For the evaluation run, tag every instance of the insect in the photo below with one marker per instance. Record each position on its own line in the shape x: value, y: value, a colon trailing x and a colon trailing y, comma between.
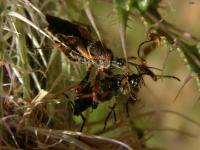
x: 75, y: 41
x: 104, y: 89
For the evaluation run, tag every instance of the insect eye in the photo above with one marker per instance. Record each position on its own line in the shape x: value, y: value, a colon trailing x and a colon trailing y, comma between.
x: 118, y: 83
x: 134, y: 81
x: 120, y: 62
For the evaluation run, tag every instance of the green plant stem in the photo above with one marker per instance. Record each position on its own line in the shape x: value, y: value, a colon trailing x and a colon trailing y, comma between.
x: 163, y: 28
x: 186, y: 46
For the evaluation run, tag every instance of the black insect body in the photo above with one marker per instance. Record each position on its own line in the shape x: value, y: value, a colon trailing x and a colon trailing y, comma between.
x: 112, y: 86
x: 90, y: 95
x: 84, y: 100
x: 81, y: 105
x: 103, y: 90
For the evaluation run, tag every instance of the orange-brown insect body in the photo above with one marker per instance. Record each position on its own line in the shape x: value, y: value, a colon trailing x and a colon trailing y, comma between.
x: 78, y: 41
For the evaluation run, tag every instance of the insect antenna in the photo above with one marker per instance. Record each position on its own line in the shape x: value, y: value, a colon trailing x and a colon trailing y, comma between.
x: 153, y: 38
x: 167, y: 76
x: 138, y: 66
x: 140, y: 47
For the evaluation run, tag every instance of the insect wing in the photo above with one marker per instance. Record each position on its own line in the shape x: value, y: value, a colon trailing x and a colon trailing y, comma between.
x: 61, y: 26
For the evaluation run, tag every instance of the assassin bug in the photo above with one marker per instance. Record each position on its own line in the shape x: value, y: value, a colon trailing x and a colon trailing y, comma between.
x: 76, y: 43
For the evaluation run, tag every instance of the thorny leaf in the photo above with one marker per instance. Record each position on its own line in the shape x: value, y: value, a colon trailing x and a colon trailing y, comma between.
x: 123, y: 9
x: 189, y: 52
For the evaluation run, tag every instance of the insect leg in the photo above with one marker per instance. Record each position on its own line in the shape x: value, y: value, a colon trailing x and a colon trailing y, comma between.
x: 127, y: 109
x: 82, y: 116
x: 86, y: 78
x: 85, y: 81
x: 84, y: 120
x: 108, y: 116
x: 132, y: 99
x: 114, y: 114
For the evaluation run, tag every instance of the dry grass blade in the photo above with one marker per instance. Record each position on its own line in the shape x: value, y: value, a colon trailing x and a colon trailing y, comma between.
x: 59, y: 134
x: 7, y: 29
x: 168, y: 111
x: 123, y: 40
x: 36, y: 81
x: 91, y: 18
x: 35, y: 42
x: 24, y: 19
x: 16, y: 72
x: 36, y: 101
x: 26, y: 2
x: 188, y: 78
x: 85, y: 142
x: 169, y: 129
x: 3, y: 120
x: 105, y: 143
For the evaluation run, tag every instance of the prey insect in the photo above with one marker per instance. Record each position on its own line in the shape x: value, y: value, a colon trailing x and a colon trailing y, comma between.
x: 104, y: 89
